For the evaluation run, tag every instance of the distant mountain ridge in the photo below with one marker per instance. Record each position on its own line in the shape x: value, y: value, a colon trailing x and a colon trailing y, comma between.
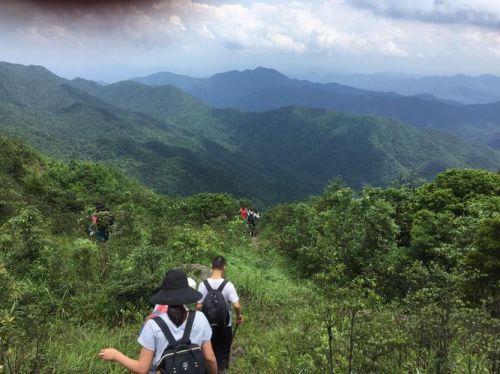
x: 180, y: 146
x: 265, y: 89
x: 483, y: 89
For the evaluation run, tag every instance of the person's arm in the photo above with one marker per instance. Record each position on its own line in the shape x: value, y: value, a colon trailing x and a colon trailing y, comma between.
x: 209, y: 356
x: 237, y: 309
x: 140, y: 366
x: 234, y: 299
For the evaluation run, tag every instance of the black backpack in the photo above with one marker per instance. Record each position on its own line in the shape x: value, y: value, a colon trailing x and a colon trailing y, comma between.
x: 180, y: 356
x: 215, y: 305
x: 251, y: 218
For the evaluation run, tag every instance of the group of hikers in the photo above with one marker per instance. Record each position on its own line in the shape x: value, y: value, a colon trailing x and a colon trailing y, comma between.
x: 101, y: 221
x: 175, y: 339
x: 250, y: 217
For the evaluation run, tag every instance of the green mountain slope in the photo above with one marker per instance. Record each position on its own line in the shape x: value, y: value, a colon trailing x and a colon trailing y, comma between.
x: 170, y: 157
x: 317, y: 145
x: 179, y: 146
x: 266, y: 89
x: 384, y: 281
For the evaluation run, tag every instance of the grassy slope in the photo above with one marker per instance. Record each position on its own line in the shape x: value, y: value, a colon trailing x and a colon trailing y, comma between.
x: 76, y: 328
x: 273, y: 302
x: 85, y: 310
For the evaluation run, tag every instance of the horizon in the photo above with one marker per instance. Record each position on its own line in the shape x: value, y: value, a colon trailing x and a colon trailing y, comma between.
x: 147, y: 71
x: 111, y: 40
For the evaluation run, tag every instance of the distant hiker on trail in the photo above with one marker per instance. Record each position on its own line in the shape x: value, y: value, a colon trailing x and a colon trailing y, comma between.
x: 100, y: 222
x: 175, y: 341
x: 218, y: 295
x: 251, y: 221
x: 244, y: 213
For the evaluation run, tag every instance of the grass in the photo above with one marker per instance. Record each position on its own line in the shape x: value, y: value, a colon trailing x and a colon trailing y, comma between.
x: 273, y: 302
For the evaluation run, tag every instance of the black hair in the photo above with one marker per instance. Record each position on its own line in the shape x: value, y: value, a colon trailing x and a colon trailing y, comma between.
x: 218, y: 262
x: 177, y: 314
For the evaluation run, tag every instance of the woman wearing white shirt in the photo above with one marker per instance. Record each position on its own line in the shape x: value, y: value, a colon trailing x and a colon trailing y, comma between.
x: 174, y: 292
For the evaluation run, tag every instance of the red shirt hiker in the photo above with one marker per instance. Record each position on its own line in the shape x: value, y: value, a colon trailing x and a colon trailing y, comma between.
x: 244, y: 213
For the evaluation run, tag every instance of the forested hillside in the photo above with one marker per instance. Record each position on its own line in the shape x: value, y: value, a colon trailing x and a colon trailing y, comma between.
x: 165, y: 154
x: 177, y: 145
x: 387, y: 280
x: 266, y: 89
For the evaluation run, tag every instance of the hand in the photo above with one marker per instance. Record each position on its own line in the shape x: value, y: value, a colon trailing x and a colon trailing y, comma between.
x: 239, y: 319
x: 108, y: 354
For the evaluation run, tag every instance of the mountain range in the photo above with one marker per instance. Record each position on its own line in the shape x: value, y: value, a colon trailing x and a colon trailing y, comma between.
x: 178, y: 145
x: 264, y: 89
x: 466, y: 89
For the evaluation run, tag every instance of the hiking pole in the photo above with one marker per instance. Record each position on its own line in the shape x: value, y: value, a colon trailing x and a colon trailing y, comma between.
x: 234, y: 331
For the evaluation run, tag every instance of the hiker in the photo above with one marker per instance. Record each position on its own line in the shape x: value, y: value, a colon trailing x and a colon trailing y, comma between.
x: 177, y: 330
x: 218, y: 295
x: 101, y: 222
x: 163, y: 308
x: 251, y: 221
x: 244, y: 213
x: 92, y: 224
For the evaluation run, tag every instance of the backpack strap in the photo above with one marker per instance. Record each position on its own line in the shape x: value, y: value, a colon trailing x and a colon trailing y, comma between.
x: 189, y: 326
x: 168, y: 334
x: 221, y: 287
x: 207, y: 285
x: 166, y: 331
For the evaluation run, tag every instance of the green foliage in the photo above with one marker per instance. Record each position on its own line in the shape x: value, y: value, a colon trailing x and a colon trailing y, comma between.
x: 387, y: 280
x: 401, y: 269
x: 206, y: 207
x: 178, y: 146
x: 23, y: 241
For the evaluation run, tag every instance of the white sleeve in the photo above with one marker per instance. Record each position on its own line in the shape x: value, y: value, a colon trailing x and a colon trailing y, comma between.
x: 147, y: 338
x: 203, y: 290
x: 206, y: 333
x: 231, y: 294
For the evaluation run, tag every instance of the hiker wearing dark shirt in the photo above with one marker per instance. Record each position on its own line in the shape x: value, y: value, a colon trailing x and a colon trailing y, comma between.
x: 251, y: 221
x: 101, y: 222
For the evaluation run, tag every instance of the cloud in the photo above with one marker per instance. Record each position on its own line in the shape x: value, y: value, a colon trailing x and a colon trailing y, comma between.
x: 78, y: 5
x: 94, y: 23
x: 292, y: 27
x: 357, y: 32
x: 481, y: 13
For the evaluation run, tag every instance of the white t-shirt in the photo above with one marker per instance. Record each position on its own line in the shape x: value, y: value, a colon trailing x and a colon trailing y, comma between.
x: 229, y: 292
x: 152, y: 337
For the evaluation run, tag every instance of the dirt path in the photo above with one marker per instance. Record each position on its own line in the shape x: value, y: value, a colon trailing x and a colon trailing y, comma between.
x: 255, y: 242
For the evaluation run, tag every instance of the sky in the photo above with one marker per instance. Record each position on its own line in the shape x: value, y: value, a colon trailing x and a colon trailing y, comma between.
x: 119, y: 39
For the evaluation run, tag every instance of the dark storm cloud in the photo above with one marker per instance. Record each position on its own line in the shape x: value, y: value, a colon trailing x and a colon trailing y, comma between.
x: 92, y: 24
x: 81, y: 5
x: 474, y: 13
x: 75, y: 9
